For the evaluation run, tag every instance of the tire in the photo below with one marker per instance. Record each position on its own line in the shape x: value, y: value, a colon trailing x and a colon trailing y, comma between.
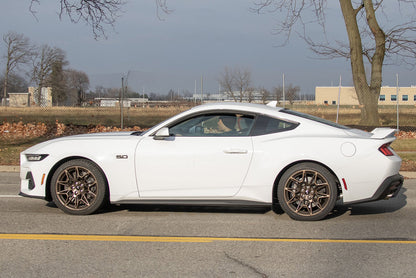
x: 79, y: 187
x: 307, y: 191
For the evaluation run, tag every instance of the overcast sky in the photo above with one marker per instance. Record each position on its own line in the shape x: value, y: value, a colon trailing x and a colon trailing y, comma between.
x: 198, y: 38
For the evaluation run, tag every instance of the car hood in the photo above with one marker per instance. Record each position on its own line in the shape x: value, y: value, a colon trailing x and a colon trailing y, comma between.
x: 88, y: 137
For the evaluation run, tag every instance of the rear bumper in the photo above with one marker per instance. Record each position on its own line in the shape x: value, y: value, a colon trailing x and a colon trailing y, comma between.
x: 388, y: 189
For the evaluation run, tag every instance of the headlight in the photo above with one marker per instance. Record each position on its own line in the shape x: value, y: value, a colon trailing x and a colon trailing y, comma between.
x: 35, y: 157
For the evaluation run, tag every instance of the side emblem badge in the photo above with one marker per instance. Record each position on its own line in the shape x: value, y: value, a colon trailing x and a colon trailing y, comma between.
x: 122, y: 156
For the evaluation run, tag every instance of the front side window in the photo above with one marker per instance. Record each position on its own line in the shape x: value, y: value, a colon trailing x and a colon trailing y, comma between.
x: 393, y: 98
x: 218, y: 124
x: 382, y: 97
x: 405, y: 97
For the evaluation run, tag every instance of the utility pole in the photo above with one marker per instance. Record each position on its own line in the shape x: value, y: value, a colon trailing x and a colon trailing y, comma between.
x: 121, y: 103
x: 284, y: 97
x: 397, y: 99
x: 202, y: 90
x: 195, y: 93
x: 339, y: 97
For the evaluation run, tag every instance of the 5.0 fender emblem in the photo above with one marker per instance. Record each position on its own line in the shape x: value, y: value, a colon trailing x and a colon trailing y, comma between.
x: 122, y: 156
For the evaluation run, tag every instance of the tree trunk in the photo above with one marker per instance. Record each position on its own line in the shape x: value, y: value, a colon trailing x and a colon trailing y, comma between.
x: 5, y: 84
x: 368, y: 95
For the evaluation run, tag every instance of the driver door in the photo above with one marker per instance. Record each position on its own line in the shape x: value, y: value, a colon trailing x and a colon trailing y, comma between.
x: 195, y: 160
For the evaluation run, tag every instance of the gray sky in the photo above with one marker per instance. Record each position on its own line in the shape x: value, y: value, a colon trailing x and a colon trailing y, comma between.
x: 198, y: 38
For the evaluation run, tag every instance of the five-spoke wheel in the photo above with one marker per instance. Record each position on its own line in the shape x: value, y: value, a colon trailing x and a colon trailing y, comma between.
x: 78, y: 187
x: 307, y: 191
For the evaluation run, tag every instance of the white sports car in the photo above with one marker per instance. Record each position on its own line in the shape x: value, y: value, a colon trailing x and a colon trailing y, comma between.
x: 218, y: 154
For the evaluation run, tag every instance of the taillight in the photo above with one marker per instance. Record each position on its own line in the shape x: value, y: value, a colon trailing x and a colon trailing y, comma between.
x: 385, y: 149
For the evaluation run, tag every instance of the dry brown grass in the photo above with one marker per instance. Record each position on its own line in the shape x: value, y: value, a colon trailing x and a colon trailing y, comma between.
x: 144, y: 117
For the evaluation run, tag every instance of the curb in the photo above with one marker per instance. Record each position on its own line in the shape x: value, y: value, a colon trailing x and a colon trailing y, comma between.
x: 408, y: 175
x: 7, y: 168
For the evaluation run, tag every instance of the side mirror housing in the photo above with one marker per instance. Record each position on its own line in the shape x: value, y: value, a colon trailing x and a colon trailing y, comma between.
x: 162, y: 134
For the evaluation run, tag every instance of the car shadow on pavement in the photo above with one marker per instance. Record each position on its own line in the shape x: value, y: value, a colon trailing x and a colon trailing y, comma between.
x: 185, y: 208
x: 376, y: 207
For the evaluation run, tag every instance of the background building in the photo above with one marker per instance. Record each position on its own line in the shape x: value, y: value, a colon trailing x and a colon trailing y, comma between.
x: 45, y: 97
x: 19, y: 100
x: 388, y: 96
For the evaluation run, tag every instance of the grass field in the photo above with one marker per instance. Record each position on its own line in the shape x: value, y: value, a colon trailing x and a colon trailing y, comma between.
x: 145, y: 117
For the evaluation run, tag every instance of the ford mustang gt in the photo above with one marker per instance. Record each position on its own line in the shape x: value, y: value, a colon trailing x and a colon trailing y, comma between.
x: 218, y: 154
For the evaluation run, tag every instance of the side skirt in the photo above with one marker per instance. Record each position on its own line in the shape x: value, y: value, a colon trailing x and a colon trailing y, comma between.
x: 237, y: 203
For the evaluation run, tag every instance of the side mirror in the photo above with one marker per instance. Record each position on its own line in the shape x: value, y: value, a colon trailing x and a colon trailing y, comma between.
x: 162, y: 134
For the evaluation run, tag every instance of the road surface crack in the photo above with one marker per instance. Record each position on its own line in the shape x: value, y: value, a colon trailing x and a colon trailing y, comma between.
x: 246, y: 265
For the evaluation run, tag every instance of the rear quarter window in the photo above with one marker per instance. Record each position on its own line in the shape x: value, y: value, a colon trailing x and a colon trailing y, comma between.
x: 268, y: 125
x: 313, y: 118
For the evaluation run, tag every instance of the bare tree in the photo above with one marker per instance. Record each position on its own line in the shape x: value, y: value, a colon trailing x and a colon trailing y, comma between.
x: 265, y: 95
x: 368, y: 40
x: 19, y: 52
x: 58, y: 82
x: 250, y: 94
x: 43, y: 63
x: 15, y: 83
x: 77, y: 83
x: 291, y: 93
x: 227, y: 83
x: 242, y: 79
x: 96, y: 13
x: 236, y: 81
x: 278, y: 93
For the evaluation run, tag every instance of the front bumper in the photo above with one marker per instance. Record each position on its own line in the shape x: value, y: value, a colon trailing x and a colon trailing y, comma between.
x: 389, y: 188
x: 32, y: 182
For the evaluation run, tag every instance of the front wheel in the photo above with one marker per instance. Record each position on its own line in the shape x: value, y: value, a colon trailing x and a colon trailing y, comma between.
x: 307, y: 191
x: 78, y: 187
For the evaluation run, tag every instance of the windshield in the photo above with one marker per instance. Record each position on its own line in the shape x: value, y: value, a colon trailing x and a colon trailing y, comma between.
x: 313, y: 118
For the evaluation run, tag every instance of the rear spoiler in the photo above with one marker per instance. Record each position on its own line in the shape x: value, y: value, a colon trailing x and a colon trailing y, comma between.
x: 383, y: 132
x: 272, y: 103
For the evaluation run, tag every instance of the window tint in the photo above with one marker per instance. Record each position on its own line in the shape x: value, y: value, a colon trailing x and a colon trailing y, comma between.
x: 267, y: 125
x: 313, y: 118
x: 220, y: 124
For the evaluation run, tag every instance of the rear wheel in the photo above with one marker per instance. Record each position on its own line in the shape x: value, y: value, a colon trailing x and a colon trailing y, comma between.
x: 78, y: 187
x: 307, y: 191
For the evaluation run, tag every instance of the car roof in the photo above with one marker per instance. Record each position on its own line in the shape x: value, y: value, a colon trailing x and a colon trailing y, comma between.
x: 253, y: 107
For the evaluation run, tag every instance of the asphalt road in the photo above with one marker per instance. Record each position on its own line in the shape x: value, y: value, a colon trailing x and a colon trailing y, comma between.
x: 367, y: 240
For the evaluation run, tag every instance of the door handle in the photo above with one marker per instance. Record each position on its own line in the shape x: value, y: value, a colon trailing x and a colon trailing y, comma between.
x: 235, y: 151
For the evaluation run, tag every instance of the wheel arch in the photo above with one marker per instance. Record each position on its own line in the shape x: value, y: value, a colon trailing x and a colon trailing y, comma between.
x: 48, y: 195
x: 279, y: 176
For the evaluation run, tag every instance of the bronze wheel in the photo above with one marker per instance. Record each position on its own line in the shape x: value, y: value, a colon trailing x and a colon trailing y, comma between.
x: 307, y: 191
x: 78, y: 187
